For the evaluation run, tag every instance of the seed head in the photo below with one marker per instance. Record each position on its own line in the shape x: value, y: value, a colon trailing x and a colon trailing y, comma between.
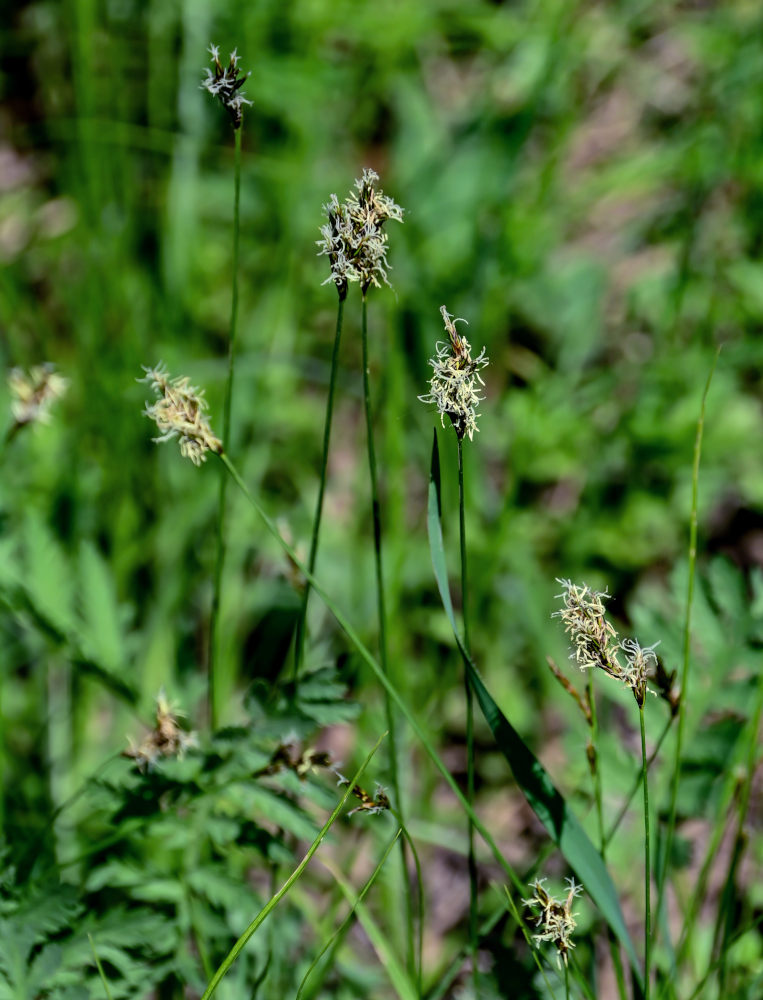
x: 179, y: 413
x: 353, y: 239
x: 554, y: 920
x: 456, y: 375
x: 595, y: 642
x: 34, y: 393
x: 225, y: 84
x: 638, y: 663
x: 166, y: 739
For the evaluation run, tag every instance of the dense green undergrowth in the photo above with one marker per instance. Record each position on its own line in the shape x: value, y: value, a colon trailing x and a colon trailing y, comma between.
x: 582, y: 183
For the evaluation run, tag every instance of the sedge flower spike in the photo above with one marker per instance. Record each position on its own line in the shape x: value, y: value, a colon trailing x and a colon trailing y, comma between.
x: 225, y: 84
x: 453, y: 387
x: 34, y: 393
x: 179, y: 412
x: 166, y: 739
x: 595, y: 642
x: 353, y: 238
x: 555, y: 920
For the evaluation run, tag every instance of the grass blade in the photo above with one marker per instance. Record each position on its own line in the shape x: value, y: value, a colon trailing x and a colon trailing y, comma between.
x: 398, y: 977
x: 271, y: 904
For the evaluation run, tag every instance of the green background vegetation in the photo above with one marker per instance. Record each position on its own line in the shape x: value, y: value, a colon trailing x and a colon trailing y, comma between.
x: 582, y: 182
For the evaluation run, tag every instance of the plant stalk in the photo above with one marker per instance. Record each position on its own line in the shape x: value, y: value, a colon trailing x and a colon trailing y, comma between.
x: 647, y: 860
x: 299, y: 638
x: 663, y: 868
x: 382, y: 615
x: 213, y: 679
x: 472, y: 859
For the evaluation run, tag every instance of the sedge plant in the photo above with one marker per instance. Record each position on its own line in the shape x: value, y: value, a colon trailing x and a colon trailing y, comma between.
x: 595, y: 646
x: 355, y: 241
x: 225, y: 83
x: 454, y: 390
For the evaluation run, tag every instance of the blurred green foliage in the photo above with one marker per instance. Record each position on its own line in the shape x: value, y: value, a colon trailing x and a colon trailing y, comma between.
x: 582, y: 182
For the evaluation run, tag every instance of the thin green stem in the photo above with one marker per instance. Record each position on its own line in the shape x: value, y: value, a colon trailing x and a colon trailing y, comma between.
x: 213, y: 679
x: 365, y: 654
x: 98, y: 966
x: 594, y: 761
x: 472, y: 859
x: 647, y: 861
x: 299, y: 638
x: 728, y: 896
x: 336, y: 938
x: 271, y: 904
x: 382, y: 615
x: 566, y: 982
x: 637, y: 783
x: 663, y: 868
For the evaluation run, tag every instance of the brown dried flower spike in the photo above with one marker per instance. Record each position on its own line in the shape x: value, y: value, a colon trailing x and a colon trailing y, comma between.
x: 166, y: 739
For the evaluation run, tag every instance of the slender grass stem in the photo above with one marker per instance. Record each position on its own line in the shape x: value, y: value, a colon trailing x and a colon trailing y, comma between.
x: 665, y: 864
x: 472, y: 860
x: 271, y: 904
x: 647, y: 861
x: 637, y: 783
x: 336, y: 938
x: 385, y: 682
x: 382, y: 615
x: 213, y: 679
x: 98, y: 966
x: 594, y: 762
x: 728, y: 897
x: 299, y: 638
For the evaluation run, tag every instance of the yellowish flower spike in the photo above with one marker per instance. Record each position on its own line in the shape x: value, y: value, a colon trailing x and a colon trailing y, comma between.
x: 34, y: 393
x: 554, y: 919
x: 453, y: 387
x: 179, y: 412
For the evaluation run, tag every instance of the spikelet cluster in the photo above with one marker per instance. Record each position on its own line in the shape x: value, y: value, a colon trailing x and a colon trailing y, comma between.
x: 353, y: 238
x: 225, y: 84
x: 179, y: 412
x: 554, y: 919
x: 456, y: 377
x: 595, y: 642
x: 166, y: 739
x: 370, y: 804
x: 34, y: 393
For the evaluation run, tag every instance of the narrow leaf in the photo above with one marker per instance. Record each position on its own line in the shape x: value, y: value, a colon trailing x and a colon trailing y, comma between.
x: 401, y: 984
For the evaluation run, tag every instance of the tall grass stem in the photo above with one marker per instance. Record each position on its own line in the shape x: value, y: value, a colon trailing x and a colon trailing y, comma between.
x: 213, y: 679
x: 299, y: 638
x: 647, y: 860
x: 382, y: 615
x: 472, y: 860
x: 595, y: 769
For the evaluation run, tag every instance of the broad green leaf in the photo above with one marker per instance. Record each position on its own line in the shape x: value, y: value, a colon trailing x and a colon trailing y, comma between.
x: 546, y: 801
x: 48, y: 576
x: 102, y: 636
